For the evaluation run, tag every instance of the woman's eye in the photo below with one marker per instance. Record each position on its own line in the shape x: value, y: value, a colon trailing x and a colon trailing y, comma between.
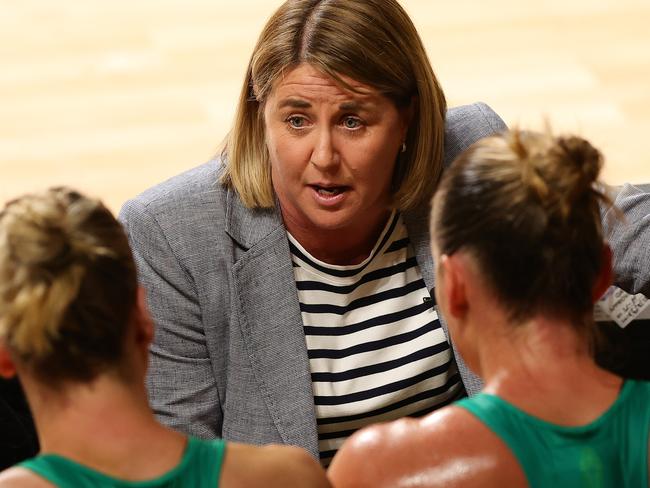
x: 351, y: 123
x: 296, y: 122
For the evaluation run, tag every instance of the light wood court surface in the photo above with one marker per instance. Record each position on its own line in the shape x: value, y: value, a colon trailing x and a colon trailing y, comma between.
x: 112, y: 97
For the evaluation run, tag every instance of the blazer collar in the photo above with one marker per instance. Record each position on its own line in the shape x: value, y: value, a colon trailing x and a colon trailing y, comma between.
x: 248, y: 226
x: 417, y: 226
x: 270, y: 320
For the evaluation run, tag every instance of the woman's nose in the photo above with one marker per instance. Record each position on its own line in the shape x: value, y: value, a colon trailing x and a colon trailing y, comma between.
x: 324, y: 156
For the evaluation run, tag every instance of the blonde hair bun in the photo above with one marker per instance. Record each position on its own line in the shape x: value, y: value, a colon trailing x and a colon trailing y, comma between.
x: 582, y: 161
x: 44, y: 251
x: 560, y: 171
x: 527, y: 205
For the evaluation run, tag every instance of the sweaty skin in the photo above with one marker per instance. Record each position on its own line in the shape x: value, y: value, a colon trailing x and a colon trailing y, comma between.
x: 449, y: 448
x: 541, y: 366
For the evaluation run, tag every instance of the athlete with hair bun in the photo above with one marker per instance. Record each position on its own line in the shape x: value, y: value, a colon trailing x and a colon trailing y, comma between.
x: 74, y: 326
x: 520, y: 260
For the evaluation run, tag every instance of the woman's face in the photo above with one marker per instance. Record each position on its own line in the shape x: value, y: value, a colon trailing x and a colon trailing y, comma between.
x: 332, y: 151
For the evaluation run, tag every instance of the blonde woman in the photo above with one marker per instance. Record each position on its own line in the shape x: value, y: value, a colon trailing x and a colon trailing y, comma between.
x: 290, y: 279
x: 74, y: 327
x: 521, y: 258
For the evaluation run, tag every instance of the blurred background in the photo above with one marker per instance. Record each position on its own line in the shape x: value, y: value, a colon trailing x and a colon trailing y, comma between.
x: 113, y: 97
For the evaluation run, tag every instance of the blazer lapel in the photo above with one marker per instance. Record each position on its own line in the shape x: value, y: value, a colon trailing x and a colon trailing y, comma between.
x: 417, y: 225
x: 271, y: 323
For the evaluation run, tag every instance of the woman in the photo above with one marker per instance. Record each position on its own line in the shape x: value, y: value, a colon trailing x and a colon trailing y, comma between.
x: 74, y: 327
x: 289, y: 279
x: 520, y: 261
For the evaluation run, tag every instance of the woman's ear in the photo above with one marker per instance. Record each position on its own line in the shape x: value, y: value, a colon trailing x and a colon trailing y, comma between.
x: 408, y: 114
x: 143, y: 322
x: 7, y: 366
x: 604, y: 279
x: 454, y: 289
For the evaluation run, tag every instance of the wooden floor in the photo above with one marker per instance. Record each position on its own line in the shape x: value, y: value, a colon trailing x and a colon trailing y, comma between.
x: 112, y: 97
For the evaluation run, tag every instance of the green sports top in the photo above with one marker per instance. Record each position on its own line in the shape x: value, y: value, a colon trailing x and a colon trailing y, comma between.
x: 611, y: 451
x: 200, y: 467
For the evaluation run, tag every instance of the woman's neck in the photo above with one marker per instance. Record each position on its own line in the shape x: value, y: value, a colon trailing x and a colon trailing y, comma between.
x: 341, y: 246
x: 546, y: 368
x: 106, y: 425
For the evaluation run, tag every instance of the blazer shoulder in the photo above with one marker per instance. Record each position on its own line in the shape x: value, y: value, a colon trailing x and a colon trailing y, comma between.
x: 188, y: 211
x: 467, y: 124
x: 181, y: 194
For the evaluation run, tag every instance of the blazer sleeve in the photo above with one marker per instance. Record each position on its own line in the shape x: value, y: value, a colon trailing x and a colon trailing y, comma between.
x: 467, y: 124
x: 182, y: 386
x: 629, y: 238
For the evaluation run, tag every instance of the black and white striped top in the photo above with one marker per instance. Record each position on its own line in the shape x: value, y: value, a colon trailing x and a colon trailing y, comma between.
x: 376, y: 348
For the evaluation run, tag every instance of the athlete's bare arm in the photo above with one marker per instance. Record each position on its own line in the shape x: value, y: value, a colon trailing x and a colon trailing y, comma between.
x: 449, y: 448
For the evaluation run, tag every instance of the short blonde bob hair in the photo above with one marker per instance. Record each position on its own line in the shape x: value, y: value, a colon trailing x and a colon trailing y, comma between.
x: 371, y: 41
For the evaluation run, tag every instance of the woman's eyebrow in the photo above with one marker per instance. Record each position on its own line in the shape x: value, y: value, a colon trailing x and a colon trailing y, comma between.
x: 358, y: 106
x: 294, y: 103
x: 353, y: 106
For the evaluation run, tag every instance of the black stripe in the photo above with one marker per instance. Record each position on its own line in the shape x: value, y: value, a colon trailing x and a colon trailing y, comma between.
x: 363, y: 301
x: 367, y: 324
x: 336, y: 435
x: 382, y: 390
x: 373, y: 345
x: 373, y: 275
x: 419, y: 413
x: 397, y: 245
x: 327, y: 455
x: 460, y: 394
x: 381, y: 367
x: 423, y: 395
x: 342, y: 273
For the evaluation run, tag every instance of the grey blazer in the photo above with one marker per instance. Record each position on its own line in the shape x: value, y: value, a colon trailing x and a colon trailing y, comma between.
x: 229, y: 356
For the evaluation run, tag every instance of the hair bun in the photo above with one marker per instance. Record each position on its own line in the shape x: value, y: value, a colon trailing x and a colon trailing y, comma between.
x: 47, y: 231
x: 45, y: 248
x: 36, y: 236
x: 573, y: 164
x: 585, y: 160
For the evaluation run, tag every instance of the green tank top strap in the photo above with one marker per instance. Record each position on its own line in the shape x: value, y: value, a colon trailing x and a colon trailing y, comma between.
x: 200, y: 467
x: 612, y: 451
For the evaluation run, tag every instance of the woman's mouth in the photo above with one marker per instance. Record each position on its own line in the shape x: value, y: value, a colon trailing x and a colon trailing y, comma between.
x: 329, y: 195
x: 329, y: 191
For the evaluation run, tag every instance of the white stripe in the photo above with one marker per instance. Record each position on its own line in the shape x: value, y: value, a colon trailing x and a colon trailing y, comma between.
x: 429, y: 338
x: 374, y: 287
x: 375, y: 333
x: 355, y: 408
x: 404, y: 411
x: 377, y: 380
x: 361, y: 314
x: 319, y: 365
x: 335, y: 443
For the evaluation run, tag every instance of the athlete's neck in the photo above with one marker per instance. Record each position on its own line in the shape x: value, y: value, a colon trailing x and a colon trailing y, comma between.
x: 545, y: 367
x: 106, y: 425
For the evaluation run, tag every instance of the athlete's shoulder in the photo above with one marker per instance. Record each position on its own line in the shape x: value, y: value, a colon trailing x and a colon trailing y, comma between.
x: 449, y: 447
x: 22, y: 477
